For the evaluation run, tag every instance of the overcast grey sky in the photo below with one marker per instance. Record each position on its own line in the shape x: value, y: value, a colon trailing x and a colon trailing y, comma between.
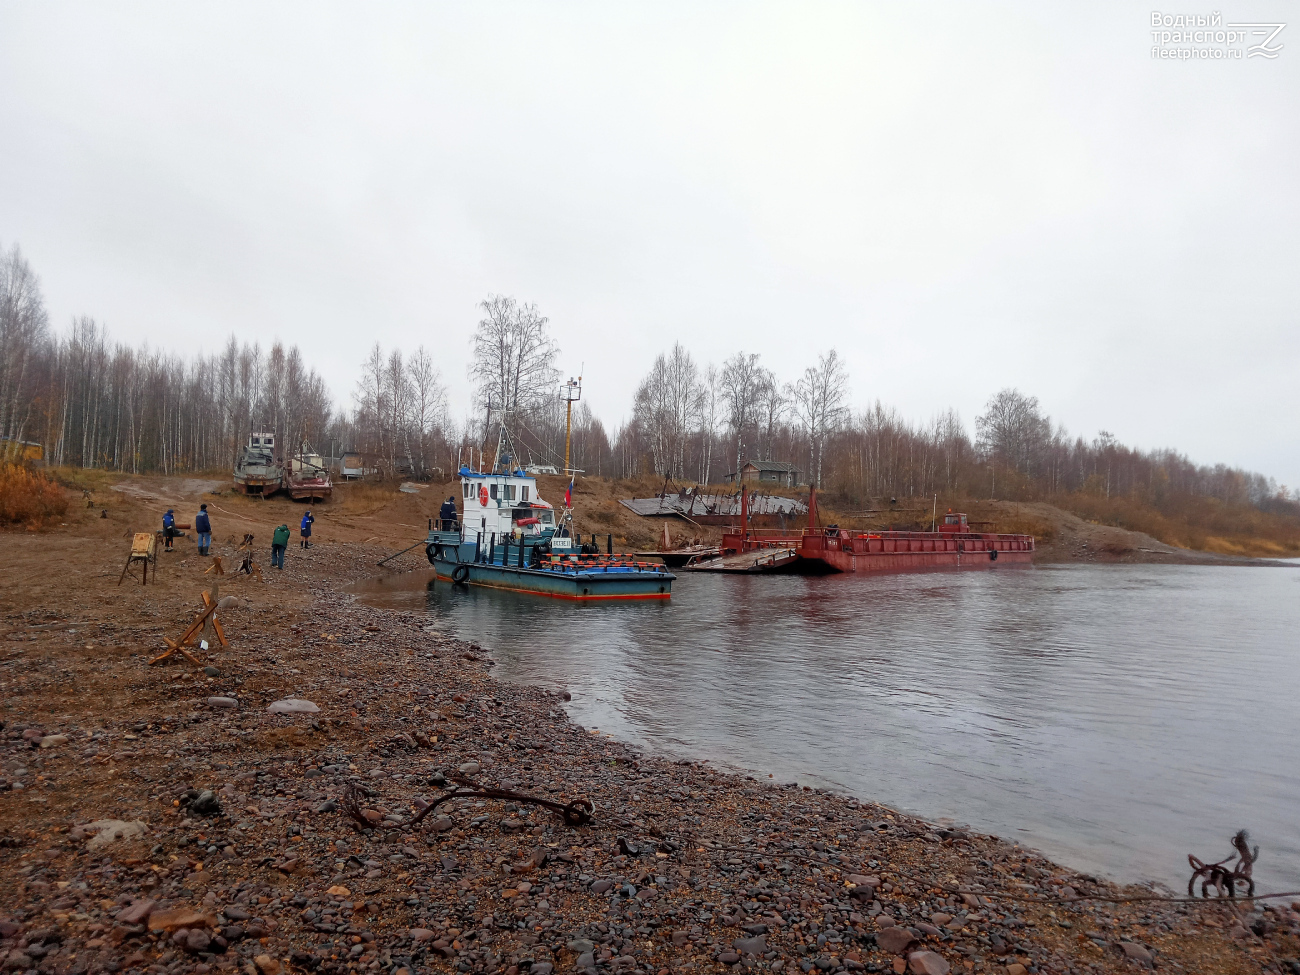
x: 958, y: 197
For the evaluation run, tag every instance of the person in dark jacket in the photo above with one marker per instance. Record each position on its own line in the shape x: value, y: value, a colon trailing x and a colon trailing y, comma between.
x: 447, y: 514
x: 203, y: 528
x: 279, y: 542
x: 169, y: 529
x: 304, y: 530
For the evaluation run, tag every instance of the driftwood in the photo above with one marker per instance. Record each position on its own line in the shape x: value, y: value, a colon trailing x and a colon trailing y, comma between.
x: 1225, y: 875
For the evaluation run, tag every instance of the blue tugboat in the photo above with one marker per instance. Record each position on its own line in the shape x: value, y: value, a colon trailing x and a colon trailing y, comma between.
x: 509, y: 538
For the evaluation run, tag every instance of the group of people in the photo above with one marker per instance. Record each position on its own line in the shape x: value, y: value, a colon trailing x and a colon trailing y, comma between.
x: 203, y: 533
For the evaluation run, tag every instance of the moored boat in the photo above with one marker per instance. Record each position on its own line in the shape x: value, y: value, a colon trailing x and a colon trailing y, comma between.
x: 953, y: 545
x: 257, y: 472
x: 508, y: 537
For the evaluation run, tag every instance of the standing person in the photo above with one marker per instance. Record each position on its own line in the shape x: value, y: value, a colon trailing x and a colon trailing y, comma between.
x: 304, y: 530
x: 203, y: 527
x: 279, y: 542
x: 169, y: 529
x: 447, y: 513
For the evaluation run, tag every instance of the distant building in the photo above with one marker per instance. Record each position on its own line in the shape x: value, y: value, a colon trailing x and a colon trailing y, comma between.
x: 20, y: 450
x: 769, y: 472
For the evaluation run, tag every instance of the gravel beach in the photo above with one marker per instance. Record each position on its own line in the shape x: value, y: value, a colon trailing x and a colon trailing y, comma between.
x: 166, y: 819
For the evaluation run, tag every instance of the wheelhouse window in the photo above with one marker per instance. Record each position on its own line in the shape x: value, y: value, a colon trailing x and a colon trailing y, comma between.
x: 523, y: 493
x: 492, y: 491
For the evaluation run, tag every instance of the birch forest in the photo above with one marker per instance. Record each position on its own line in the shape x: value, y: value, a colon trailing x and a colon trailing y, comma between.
x: 92, y: 402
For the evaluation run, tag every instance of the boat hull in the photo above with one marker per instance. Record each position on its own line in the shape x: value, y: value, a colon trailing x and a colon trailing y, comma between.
x: 581, y: 579
x: 584, y: 586
x: 263, y: 486
x: 890, y: 551
x: 916, y: 561
x: 310, y: 491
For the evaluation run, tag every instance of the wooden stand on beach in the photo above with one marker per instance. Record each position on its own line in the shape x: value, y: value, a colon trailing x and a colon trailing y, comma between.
x: 209, y: 615
x: 144, y: 550
x: 246, y: 563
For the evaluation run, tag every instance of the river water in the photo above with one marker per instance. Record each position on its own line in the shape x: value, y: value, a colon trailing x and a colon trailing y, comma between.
x: 1113, y: 717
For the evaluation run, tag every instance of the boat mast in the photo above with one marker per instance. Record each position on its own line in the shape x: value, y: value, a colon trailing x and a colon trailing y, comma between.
x: 570, y: 392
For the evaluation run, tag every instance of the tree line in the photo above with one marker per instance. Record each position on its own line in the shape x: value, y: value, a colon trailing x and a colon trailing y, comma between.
x: 92, y: 402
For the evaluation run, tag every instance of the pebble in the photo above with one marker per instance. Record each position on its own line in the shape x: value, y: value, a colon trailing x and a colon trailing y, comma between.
x: 222, y: 702
x: 292, y: 705
x: 105, y: 831
x: 53, y: 741
x: 927, y: 963
x: 894, y: 939
x: 1135, y: 951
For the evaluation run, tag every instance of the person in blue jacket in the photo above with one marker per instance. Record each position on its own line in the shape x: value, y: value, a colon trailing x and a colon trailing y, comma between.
x: 203, y: 528
x: 169, y: 529
x: 304, y: 530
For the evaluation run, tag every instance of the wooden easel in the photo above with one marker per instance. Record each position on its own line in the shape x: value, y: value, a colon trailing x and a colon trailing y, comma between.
x: 209, y: 615
x: 144, y: 549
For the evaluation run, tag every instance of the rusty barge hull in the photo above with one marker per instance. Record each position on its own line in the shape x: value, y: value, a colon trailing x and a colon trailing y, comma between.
x: 911, y: 551
x: 951, y: 546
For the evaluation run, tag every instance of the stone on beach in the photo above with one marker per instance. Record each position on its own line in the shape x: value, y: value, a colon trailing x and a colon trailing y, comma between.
x: 894, y: 939
x: 927, y: 963
x: 292, y: 705
x: 106, y: 831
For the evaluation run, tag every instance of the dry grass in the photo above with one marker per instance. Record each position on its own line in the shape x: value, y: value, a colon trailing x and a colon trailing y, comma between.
x: 363, y: 497
x: 1206, y: 524
x: 29, y: 497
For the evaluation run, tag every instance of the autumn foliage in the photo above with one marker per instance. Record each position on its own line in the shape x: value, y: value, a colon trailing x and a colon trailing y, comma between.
x: 29, y: 497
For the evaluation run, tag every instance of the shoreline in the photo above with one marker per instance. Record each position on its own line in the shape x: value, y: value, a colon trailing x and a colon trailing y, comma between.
x: 686, y: 867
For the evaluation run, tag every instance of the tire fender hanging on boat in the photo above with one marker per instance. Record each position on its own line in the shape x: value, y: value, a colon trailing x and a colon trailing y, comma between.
x: 460, y: 574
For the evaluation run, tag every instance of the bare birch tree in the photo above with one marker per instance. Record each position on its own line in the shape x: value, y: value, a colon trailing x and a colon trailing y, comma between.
x: 513, y: 360
x: 821, y: 402
x: 741, y: 386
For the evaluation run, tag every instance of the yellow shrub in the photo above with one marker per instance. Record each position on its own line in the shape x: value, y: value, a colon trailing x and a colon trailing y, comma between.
x: 29, y: 497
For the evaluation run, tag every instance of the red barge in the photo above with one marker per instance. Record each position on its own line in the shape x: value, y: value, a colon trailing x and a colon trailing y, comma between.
x: 953, y: 545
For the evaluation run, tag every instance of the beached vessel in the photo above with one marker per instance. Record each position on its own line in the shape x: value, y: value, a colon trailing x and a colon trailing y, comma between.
x: 257, y: 472
x: 309, y: 477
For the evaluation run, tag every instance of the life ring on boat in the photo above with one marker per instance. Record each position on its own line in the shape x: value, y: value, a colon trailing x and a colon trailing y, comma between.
x: 993, y: 555
x: 460, y: 574
x: 482, y: 495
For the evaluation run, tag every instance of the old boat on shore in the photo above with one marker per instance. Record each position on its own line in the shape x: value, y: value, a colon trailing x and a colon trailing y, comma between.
x: 309, y: 477
x: 509, y: 538
x: 257, y: 472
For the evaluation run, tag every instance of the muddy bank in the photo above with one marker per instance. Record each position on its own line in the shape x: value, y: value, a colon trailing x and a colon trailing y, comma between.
x: 236, y: 852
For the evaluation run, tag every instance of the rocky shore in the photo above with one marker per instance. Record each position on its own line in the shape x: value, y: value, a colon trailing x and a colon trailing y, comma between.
x: 166, y: 819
